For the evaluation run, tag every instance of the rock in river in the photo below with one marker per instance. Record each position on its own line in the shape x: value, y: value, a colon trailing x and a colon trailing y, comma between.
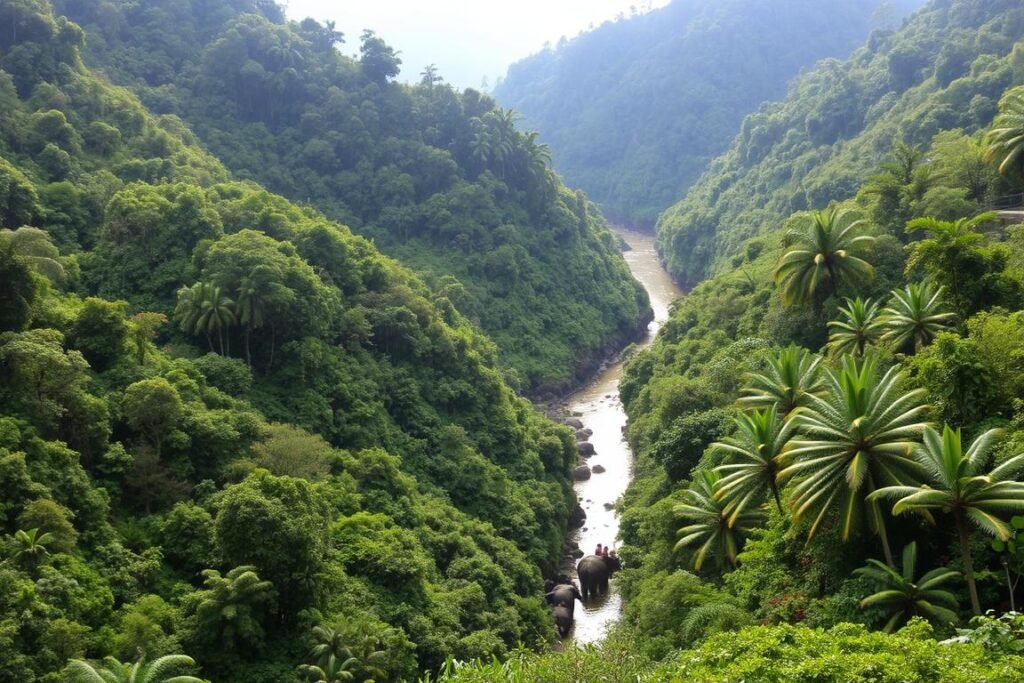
x: 581, y: 473
x: 586, y: 449
x: 573, y: 422
x: 598, y: 469
x: 577, y: 517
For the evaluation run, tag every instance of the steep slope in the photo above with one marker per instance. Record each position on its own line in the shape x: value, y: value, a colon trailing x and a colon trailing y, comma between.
x: 225, y: 419
x: 441, y: 180
x: 727, y: 336
x: 635, y: 109
x: 945, y: 68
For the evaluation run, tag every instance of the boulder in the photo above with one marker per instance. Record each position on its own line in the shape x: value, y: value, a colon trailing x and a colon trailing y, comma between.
x: 609, y: 506
x: 583, y: 434
x: 577, y: 517
x: 576, y: 553
x: 581, y: 473
x: 598, y: 469
x: 573, y: 422
x: 586, y: 449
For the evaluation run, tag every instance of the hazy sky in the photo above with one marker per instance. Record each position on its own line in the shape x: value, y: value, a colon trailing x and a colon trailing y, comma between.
x: 466, y: 39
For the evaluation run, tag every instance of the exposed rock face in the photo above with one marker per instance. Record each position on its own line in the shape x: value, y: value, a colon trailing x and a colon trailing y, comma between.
x: 586, y: 449
x: 581, y: 473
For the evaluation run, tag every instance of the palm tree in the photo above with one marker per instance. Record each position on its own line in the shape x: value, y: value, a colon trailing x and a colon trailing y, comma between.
x: 428, y: 77
x: 537, y: 157
x: 228, y: 610
x: 791, y: 378
x: 250, y: 303
x: 903, y: 597
x: 330, y: 641
x: 757, y: 455
x: 370, y: 660
x: 356, y: 647
x: 188, y: 308
x: 1005, y: 140
x: 33, y: 247
x: 916, y: 314
x: 205, y: 308
x: 334, y: 670
x: 161, y: 670
x: 712, y: 525
x: 853, y: 441
x: 956, y: 482
x: 30, y: 547
x: 217, y: 314
x: 950, y: 248
x: 824, y: 257
x: 859, y: 328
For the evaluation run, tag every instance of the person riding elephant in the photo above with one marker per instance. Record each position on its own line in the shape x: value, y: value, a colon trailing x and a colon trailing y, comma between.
x: 563, y: 619
x: 594, y: 572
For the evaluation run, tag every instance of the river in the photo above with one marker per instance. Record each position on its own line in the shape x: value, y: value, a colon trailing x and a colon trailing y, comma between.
x: 600, y: 409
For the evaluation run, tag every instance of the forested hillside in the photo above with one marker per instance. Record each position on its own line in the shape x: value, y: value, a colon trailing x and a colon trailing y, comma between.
x: 230, y: 428
x: 837, y: 412
x: 944, y: 69
x: 441, y: 180
x: 636, y: 108
x: 830, y: 429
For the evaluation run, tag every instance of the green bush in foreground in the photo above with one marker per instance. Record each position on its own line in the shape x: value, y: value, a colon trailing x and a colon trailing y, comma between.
x: 769, y: 653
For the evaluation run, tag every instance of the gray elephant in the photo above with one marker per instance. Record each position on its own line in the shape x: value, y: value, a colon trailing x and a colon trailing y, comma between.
x: 565, y: 594
x: 594, y: 572
x: 563, y: 619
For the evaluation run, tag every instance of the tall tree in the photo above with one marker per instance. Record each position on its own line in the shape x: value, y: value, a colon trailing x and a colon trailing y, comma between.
x: 853, y: 441
x: 824, y: 257
x: 957, y: 482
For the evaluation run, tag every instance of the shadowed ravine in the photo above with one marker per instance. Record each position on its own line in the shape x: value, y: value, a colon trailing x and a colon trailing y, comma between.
x: 599, y: 409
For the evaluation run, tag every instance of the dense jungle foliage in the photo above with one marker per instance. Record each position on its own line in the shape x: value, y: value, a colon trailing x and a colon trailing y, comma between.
x: 440, y: 179
x: 830, y: 430
x: 944, y: 69
x: 635, y: 109
x: 231, y: 428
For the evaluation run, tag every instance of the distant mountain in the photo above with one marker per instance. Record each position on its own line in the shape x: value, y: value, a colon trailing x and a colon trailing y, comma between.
x: 944, y: 69
x: 635, y: 109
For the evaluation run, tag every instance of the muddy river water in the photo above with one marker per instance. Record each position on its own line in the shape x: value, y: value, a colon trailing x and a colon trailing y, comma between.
x: 599, y: 409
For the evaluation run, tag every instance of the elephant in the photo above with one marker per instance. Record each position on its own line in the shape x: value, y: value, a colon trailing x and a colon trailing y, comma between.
x: 594, y: 572
x: 563, y: 619
x: 565, y: 594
